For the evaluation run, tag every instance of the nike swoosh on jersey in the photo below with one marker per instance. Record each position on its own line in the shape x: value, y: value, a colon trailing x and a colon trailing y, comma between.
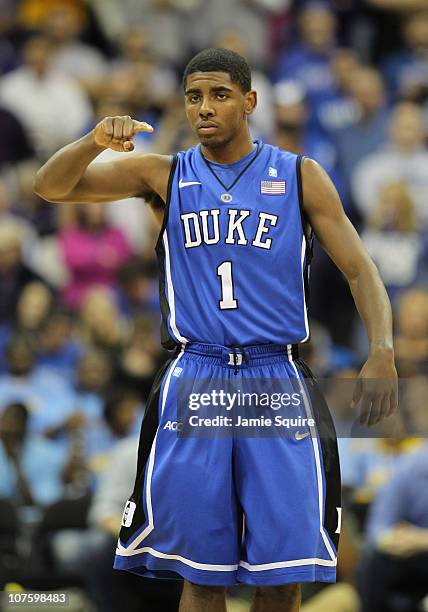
x: 300, y: 436
x: 187, y: 183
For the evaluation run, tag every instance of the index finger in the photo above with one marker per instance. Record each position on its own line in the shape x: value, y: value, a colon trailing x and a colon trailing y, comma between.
x: 141, y: 126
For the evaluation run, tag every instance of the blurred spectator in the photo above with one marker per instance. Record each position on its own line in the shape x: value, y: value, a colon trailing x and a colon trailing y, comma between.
x: 32, y: 309
x: 151, y: 82
x: 58, y: 347
x: 120, y: 420
x: 368, y: 463
x: 48, y: 397
x: 251, y: 21
x: 406, y: 70
x: 12, y: 215
x: 30, y: 466
x: 142, y: 355
x: 137, y: 291
x: 63, y: 26
x: 404, y: 157
x: 166, y: 20
x: 294, y: 132
x: 394, y: 572
x: 93, y: 251
x: 309, y: 61
x: 62, y: 107
x: 82, y: 432
x: 14, y: 273
x: 100, y: 322
x: 338, y: 109
x: 411, y: 336
x: 392, y: 239
x: 84, y: 422
x: 369, y: 131
x: 93, y: 374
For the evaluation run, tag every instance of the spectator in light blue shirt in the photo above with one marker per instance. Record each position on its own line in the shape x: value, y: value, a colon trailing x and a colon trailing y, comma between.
x: 395, y: 569
x: 49, y: 399
x: 30, y: 466
x: 309, y: 61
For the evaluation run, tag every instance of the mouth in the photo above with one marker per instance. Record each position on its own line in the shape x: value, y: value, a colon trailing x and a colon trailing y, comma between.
x: 207, y: 127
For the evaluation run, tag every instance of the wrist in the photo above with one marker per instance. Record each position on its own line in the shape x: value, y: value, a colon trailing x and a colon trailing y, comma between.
x: 383, y: 349
x: 90, y: 139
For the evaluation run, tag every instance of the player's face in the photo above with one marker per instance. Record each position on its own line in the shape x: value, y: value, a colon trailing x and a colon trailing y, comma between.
x: 216, y: 107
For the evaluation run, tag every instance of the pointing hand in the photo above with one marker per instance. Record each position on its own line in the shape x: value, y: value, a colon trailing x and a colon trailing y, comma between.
x: 117, y: 133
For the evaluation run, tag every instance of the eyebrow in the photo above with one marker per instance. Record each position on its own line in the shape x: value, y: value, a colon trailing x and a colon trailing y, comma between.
x: 215, y: 89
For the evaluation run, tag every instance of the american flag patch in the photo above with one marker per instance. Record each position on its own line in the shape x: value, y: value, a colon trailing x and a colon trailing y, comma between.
x: 272, y: 187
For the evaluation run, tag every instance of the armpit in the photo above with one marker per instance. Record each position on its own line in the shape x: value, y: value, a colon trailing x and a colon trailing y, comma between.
x: 153, y: 200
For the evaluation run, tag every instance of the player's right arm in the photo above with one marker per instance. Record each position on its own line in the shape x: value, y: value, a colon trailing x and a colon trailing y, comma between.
x: 71, y: 176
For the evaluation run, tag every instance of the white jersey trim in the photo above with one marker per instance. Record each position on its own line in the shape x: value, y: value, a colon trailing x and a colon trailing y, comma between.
x: 305, y: 309
x: 171, y: 297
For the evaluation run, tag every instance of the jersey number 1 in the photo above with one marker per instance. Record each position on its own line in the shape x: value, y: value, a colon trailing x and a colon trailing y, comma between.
x: 224, y: 271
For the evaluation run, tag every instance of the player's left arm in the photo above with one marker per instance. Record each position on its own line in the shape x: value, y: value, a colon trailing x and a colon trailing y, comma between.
x: 377, y: 381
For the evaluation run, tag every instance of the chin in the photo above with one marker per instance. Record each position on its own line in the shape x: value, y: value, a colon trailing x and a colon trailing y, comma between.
x: 214, y: 142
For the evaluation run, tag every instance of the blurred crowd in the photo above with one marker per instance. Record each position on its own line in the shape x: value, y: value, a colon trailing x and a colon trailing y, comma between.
x: 342, y: 81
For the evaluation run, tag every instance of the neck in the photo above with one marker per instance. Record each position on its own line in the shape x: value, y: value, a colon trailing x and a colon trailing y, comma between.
x: 230, y: 152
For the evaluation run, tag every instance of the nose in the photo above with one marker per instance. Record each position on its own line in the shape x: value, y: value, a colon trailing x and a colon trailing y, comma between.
x: 206, y: 109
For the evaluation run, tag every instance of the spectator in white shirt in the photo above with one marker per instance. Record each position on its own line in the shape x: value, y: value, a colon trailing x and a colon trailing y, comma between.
x: 51, y: 106
x: 404, y: 158
x: 63, y: 26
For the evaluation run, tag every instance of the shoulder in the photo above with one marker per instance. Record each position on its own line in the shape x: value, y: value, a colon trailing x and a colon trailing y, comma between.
x: 186, y: 154
x: 275, y: 154
x: 319, y: 192
x: 312, y: 171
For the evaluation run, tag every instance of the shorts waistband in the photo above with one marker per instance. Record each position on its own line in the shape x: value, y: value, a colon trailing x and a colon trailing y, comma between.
x: 241, y: 356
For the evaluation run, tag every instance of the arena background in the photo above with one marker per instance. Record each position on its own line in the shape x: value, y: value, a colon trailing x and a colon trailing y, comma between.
x: 344, y: 82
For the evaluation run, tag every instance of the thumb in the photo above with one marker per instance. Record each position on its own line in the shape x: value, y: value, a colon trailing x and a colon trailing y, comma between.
x: 357, y: 393
x: 141, y: 126
x: 128, y: 145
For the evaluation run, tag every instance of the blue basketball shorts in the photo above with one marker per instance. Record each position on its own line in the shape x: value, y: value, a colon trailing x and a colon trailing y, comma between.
x: 219, y: 502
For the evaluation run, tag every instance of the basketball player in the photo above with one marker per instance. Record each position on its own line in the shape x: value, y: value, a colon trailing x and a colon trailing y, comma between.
x: 234, y: 251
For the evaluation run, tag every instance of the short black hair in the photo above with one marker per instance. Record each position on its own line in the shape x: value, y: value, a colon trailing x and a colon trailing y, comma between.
x: 221, y: 60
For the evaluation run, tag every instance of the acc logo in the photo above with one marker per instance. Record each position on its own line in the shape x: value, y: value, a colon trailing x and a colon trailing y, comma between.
x: 173, y: 426
x: 177, y: 372
x: 128, y: 513
x: 273, y: 172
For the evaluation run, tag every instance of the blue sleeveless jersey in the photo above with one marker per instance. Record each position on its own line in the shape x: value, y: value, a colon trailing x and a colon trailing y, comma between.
x: 234, y: 260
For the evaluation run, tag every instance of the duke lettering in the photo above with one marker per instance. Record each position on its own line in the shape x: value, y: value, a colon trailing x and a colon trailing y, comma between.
x: 205, y: 227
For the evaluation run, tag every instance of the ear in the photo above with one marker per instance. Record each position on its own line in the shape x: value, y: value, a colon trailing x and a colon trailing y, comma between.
x: 250, y: 102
